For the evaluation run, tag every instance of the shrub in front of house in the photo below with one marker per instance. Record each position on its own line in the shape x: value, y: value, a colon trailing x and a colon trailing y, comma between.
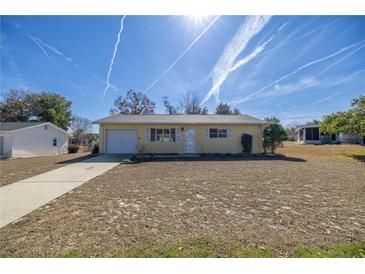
x: 274, y: 135
x: 95, y: 149
x: 246, y: 141
x: 73, y: 148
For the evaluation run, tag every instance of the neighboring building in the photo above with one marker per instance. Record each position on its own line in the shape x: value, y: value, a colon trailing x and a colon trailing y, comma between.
x: 21, y: 139
x: 178, y: 134
x: 308, y: 134
x: 311, y: 134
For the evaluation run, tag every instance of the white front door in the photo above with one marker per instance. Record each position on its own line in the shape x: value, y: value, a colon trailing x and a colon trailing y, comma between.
x: 121, y: 141
x: 189, y: 140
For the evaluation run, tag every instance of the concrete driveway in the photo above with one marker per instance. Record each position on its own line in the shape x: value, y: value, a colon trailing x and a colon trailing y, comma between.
x: 20, y: 198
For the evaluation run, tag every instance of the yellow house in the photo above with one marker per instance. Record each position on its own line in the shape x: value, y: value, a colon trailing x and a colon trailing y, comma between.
x: 178, y: 134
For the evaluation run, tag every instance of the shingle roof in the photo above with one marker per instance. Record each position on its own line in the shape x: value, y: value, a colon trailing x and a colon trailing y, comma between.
x: 179, y: 119
x: 9, y: 126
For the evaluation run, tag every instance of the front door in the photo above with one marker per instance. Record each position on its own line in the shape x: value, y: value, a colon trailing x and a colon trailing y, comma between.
x: 190, y: 140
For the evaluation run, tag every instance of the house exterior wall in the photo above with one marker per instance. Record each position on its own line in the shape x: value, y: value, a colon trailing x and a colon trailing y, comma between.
x: 38, y: 141
x: 203, y: 144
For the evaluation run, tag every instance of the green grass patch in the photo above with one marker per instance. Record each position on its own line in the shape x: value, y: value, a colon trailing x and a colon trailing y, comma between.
x: 333, y: 251
x: 360, y: 156
x: 213, y: 248
x: 217, y: 248
x: 198, y: 248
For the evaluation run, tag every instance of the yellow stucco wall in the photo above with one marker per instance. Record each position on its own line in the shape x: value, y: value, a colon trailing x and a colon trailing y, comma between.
x: 216, y: 145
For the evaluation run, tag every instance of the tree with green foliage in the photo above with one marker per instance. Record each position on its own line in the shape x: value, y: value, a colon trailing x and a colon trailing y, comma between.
x: 21, y: 106
x: 351, y: 121
x: 133, y: 103
x: 272, y: 120
x: 50, y: 107
x: 236, y: 111
x: 14, y: 107
x: 225, y: 109
x: 274, y: 135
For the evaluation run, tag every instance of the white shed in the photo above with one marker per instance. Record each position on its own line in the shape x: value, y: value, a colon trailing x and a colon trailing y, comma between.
x: 308, y: 134
x: 22, y: 139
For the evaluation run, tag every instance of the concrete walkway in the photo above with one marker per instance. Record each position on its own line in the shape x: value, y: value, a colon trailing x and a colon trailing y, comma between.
x: 20, y: 198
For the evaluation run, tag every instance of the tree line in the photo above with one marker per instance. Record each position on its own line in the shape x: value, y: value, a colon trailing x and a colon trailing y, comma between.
x: 138, y: 103
x: 20, y: 106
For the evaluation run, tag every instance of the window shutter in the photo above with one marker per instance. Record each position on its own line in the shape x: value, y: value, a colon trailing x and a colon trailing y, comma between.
x: 229, y: 133
x: 148, y: 135
x: 206, y: 133
x: 177, y: 137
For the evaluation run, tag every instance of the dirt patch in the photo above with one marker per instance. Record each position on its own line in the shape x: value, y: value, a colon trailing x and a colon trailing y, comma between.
x: 13, y: 170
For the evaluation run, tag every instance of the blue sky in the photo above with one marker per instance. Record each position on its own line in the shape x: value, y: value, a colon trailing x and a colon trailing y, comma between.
x: 297, y: 68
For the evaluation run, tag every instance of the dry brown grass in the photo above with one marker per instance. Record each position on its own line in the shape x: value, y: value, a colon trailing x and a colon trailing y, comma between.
x: 279, y: 204
x: 330, y: 152
x: 13, y: 170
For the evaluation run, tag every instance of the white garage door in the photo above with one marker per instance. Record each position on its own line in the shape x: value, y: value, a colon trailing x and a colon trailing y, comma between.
x: 121, y: 141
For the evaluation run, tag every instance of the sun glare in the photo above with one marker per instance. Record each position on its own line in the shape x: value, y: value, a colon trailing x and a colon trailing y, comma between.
x: 197, y: 18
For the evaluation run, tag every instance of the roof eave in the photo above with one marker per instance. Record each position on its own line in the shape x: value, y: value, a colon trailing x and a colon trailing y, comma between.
x: 178, y: 123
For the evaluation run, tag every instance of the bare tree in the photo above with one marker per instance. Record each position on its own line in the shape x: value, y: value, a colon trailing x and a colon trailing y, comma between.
x: 170, y: 109
x: 80, y: 127
x: 190, y: 104
x: 134, y: 103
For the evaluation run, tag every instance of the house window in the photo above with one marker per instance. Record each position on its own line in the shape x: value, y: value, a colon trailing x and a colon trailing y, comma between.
x: 54, y: 142
x: 218, y: 133
x: 163, y: 135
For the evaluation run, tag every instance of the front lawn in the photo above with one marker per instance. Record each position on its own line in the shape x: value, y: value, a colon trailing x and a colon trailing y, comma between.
x: 13, y: 170
x: 302, y: 206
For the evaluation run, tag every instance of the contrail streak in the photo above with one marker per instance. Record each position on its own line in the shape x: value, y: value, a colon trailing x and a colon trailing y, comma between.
x: 113, y: 57
x: 43, y: 46
x: 335, y: 84
x: 36, y: 41
x: 182, y: 54
x: 284, y: 43
x: 251, y: 26
x: 252, y: 55
x: 339, y: 61
x: 282, y: 26
x: 296, y: 71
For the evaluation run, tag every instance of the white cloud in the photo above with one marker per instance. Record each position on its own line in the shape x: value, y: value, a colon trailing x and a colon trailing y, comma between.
x: 225, y: 63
